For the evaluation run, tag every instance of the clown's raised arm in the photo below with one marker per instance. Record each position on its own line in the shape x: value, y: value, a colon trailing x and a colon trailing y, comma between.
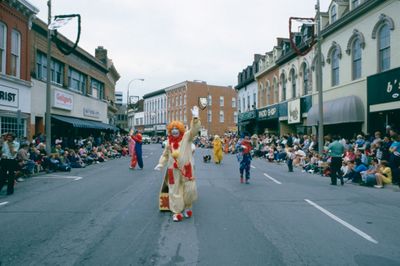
x: 195, y: 124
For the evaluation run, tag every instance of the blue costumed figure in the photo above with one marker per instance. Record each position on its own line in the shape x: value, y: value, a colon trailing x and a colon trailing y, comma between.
x: 244, y: 158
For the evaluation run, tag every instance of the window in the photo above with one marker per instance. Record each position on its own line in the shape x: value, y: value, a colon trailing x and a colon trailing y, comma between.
x: 3, y: 42
x: 261, y: 94
x: 9, y: 124
x: 57, y: 71
x: 221, y: 116
x: 15, y: 53
x: 276, y: 91
x: 384, y: 48
x: 77, y: 81
x: 57, y: 68
x: 293, y: 79
x: 248, y: 102
x: 305, y: 79
x: 244, y: 104
x: 239, y: 104
x: 335, y: 67
x: 356, y: 58
x: 209, y: 116
x: 97, y: 89
x: 235, y: 117
x: 180, y: 100
x: 221, y: 101
x: 209, y: 100
x: 254, y: 100
x: 184, y: 99
x: 234, y: 102
x: 283, y: 79
x: 333, y: 14
x: 268, y: 93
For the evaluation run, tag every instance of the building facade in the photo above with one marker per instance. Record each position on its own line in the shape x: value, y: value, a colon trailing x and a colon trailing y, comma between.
x: 15, y: 61
x: 155, y: 113
x: 218, y: 116
x: 82, y: 88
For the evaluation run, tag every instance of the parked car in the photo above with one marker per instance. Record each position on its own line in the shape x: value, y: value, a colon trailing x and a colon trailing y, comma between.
x: 146, y: 139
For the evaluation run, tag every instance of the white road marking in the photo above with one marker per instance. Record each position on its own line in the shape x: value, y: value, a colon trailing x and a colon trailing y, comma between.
x: 349, y: 226
x: 61, y: 177
x: 3, y: 203
x: 273, y: 179
x: 253, y: 167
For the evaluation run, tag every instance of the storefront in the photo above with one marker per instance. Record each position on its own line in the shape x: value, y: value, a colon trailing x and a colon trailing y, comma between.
x: 383, y: 97
x: 15, y: 106
x: 247, y: 122
x: 268, y: 120
x: 342, y: 116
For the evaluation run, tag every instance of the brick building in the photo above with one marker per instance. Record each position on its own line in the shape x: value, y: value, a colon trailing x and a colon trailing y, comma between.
x: 15, y: 60
x: 221, y: 110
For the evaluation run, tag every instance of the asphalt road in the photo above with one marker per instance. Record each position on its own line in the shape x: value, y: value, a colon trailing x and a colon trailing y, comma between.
x: 106, y: 214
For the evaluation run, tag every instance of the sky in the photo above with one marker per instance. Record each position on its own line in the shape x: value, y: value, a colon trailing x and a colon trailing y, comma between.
x: 166, y: 42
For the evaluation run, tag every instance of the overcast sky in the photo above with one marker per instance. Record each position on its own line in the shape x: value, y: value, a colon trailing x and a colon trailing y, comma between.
x: 169, y: 41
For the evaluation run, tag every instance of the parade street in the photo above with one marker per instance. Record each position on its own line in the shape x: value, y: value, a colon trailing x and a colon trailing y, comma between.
x: 107, y: 214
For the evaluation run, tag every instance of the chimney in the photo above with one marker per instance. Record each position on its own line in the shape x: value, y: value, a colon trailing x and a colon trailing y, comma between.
x: 101, y: 54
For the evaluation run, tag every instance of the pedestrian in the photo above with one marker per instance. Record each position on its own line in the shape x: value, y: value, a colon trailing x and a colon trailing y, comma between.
x: 336, y: 151
x: 244, y: 158
x: 9, y: 164
x: 217, y: 146
x: 138, y: 148
x: 177, y: 156
x: 132, y: 152
x: 290, y: 155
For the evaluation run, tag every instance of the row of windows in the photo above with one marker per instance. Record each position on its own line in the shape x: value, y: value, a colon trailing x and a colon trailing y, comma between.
x: 15, y: 64
x: 180, y: 116
x: 77, y: 81
x: 246, y: 104
x: 156, y: 104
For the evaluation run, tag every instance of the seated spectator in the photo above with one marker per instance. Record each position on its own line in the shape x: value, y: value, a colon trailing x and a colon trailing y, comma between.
x: 356, y: 168
x: 75, y: 160
x: 383, y: 175
x: 27, y: 165
x: 368, y: 177
x: 349, y: 155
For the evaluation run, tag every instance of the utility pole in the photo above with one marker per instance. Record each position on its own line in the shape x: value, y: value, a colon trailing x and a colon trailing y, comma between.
x: 319, y: 83
x: 48, y: 83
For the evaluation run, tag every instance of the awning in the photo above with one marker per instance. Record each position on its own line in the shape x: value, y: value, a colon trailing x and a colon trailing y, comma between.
x: 349, y: 109
x: 84, y: 123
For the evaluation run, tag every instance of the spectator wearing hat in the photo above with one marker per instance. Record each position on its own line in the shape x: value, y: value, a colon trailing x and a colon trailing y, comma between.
x: 9, y: 163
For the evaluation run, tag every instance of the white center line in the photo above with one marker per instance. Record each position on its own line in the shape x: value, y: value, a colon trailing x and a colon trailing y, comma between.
x: 3, y: 203
x: 346, y: 224
x: 252, y: 166
x: 273, y: 179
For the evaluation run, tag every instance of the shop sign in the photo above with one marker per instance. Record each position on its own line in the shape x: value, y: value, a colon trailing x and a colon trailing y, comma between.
x: 384, y: 87
x: 294, y: 112
x: 160, y: 127
x: 247, y: 115
x: 148, y: 129
x: 268, y: 113
x: 8, y: 96
x: 63, y: 100
x: 91, y: 113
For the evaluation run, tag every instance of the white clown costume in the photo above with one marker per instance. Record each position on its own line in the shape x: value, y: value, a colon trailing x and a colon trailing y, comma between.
x: 177, y: 156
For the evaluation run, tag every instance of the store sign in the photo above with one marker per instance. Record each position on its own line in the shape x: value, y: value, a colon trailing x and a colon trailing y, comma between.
x: 247, y: 115
x: 160, y: 127
x: 268, y: 113
x: 91, y: 113
x: 8, y: 96
x: 384, y: 87
x: 294, y: 112
x: 63, y: 100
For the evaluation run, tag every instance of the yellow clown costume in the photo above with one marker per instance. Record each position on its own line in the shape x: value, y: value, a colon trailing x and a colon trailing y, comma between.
x: 217, y: 146
x: 177, y: 157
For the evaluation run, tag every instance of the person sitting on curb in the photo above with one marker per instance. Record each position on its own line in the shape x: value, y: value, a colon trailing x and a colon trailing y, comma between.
x: 384, y: 175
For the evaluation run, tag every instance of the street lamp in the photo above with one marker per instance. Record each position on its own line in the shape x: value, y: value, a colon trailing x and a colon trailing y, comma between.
x: 208, y: 104
x: 127, y: 95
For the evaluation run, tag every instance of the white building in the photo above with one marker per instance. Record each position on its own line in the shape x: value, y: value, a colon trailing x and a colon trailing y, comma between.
x: 155, y: 112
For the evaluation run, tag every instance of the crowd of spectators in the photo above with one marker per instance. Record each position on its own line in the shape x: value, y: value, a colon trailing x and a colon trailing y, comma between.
x: 368, y: 159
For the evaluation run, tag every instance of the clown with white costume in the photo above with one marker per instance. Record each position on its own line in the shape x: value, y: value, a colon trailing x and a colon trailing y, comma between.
x: 178, y: 157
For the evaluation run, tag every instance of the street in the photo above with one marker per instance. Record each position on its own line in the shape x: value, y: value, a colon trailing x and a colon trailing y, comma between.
x: 107, y: 214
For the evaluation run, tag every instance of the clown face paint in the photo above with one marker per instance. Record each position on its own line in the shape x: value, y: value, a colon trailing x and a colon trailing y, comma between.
x: 175, y: 132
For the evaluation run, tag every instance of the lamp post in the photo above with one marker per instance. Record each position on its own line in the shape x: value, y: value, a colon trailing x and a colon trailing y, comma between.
x: 208, y: 105
x: 128, y: 98
x: 319, y: 83
x: 48, y: 84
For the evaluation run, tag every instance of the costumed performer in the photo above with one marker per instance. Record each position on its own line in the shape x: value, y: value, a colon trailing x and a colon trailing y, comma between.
x: 138, y: 148
x: 217, y: 146
x: 177, y: 156
x: 244, y: 158
x: 131, y: 148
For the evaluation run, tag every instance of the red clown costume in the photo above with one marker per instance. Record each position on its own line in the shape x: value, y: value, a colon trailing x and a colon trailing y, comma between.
x: 177, y: 157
